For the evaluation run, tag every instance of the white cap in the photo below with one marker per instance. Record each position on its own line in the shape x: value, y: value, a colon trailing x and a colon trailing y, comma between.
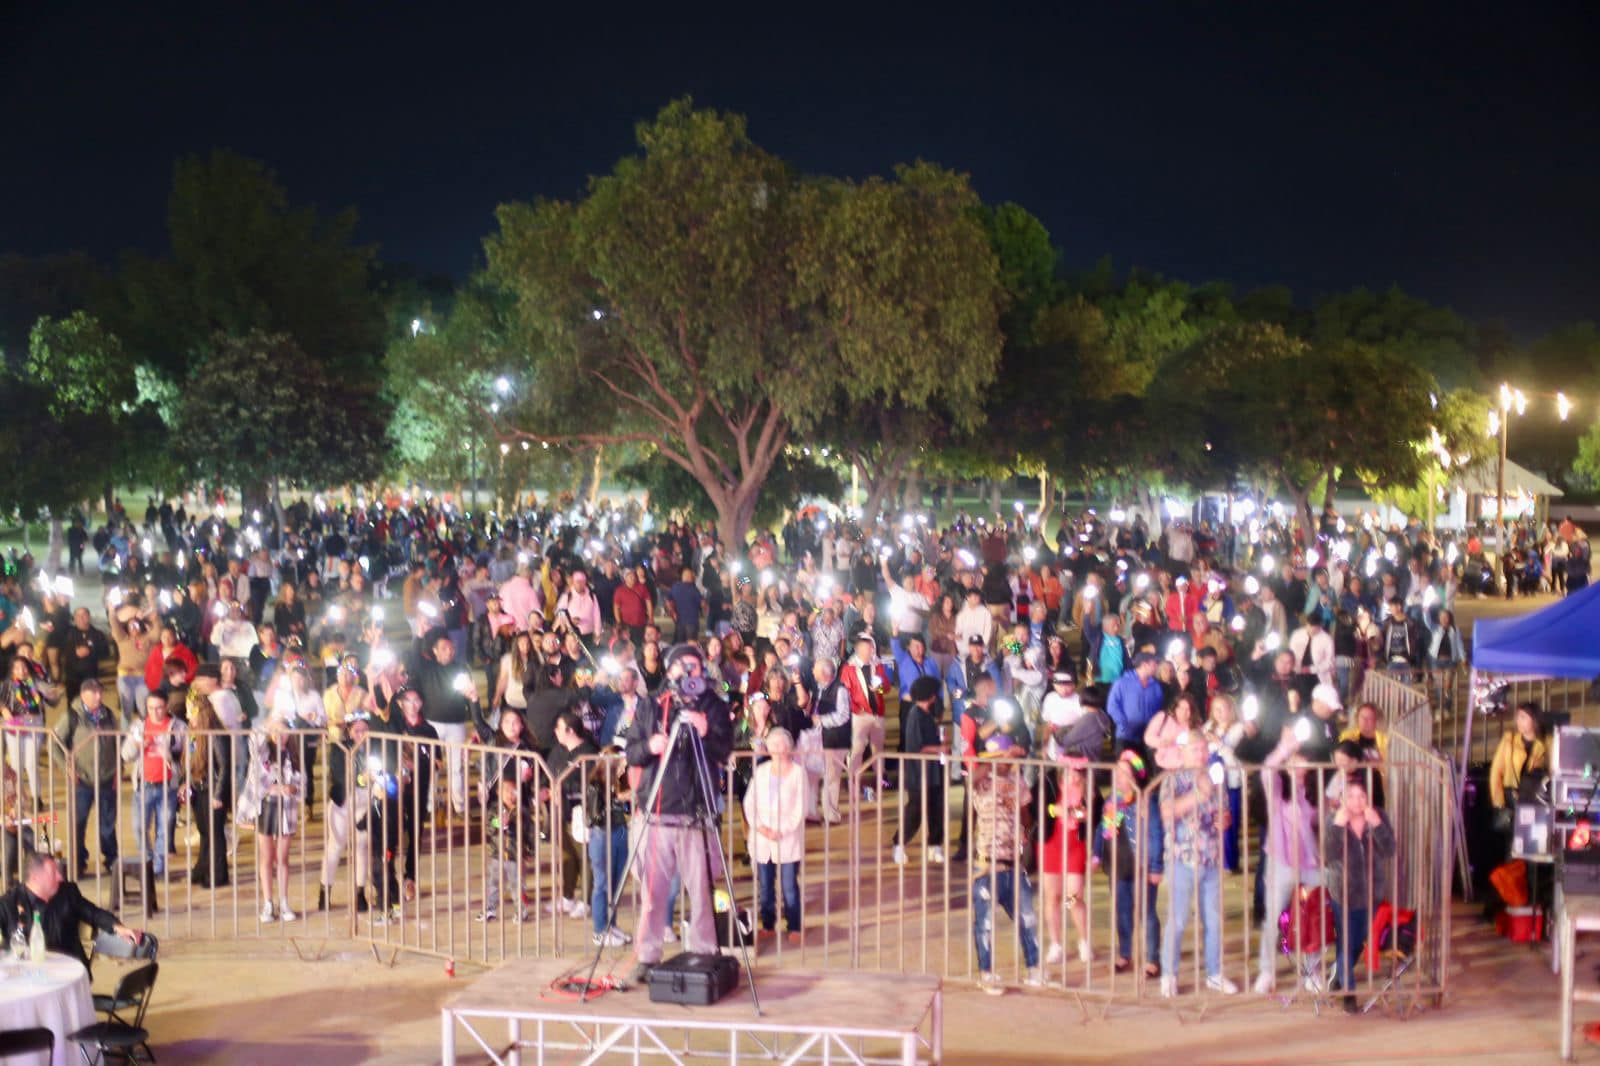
x: 1328, y: 696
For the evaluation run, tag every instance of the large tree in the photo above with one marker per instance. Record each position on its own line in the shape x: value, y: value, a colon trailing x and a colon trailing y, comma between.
x: 707, y: 299
x: 258, y: 412
x: 243, y: 258
x: 1303, y: 415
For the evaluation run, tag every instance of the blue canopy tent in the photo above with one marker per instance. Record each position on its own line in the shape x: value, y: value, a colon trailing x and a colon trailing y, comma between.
x: 1563, y: 640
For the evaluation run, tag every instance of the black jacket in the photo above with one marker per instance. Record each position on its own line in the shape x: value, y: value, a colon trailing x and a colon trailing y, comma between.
x: 62, y: 916
x: 680, y: 793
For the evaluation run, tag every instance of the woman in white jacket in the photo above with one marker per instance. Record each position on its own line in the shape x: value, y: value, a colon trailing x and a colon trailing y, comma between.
x: 775, y: 811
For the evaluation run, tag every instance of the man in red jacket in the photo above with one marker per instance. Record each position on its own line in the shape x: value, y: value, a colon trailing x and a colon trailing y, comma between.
x: 166, y: 648
x: 866, y: 682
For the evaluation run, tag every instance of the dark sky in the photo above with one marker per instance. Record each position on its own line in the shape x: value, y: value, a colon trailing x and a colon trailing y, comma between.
x: 1455, y: 152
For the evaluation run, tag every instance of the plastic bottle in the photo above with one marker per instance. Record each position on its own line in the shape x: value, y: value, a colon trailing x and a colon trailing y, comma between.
x: 36, y: 939
x: 19, y: 938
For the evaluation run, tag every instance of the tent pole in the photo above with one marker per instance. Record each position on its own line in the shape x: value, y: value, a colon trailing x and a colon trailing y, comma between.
x: 1466, y: 736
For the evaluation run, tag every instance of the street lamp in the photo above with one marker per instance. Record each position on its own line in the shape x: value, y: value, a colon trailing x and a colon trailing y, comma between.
x: 502, y: 385
x: 1506, y: 400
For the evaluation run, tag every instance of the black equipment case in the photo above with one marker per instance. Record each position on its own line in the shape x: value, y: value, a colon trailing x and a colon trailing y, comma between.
x: 693, y: 980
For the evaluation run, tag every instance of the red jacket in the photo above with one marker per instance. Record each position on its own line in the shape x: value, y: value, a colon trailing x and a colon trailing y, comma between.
x: 1180, y: 607
x: 155, y: 665
x: 864, y: 699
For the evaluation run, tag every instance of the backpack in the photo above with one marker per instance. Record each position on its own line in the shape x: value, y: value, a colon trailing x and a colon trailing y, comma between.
x: 1306, y: 924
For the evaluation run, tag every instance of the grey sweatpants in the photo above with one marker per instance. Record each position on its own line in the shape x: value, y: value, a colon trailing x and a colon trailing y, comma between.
x: 681, y: 851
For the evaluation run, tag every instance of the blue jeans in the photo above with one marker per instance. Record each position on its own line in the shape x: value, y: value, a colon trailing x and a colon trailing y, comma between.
x: 131, y: 693
x: 83, y: 799
x: 1182, y: 880
x: 1352, y: 942
x: 606, y: 870
x: 766, y: 874
x: 1005, y: 883
x: 158, y: 804
x: 1125, y: 912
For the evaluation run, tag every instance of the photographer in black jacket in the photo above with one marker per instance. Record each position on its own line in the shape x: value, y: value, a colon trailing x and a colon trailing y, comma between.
x: 680, y: 821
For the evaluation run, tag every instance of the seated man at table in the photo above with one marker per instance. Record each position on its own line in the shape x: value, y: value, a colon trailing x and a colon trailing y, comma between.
x: 61, y: 907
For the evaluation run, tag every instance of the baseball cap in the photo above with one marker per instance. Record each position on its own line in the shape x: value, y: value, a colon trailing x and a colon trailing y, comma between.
x: 1328, y: 696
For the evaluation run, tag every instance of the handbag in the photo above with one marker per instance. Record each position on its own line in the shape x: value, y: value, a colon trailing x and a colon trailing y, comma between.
x: 808, y: 750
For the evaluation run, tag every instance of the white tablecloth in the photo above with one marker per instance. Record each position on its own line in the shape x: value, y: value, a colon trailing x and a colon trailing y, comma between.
x: 53, y: 994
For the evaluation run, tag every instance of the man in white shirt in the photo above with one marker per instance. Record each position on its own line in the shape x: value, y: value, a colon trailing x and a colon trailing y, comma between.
x: 233, y: 635
x: 974, y: 620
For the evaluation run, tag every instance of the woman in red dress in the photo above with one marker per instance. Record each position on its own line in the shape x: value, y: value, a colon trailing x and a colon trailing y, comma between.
x: 1068, y: 819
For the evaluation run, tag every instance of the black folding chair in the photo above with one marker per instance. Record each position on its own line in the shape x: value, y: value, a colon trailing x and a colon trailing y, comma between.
x: 118, y: 1038
x: 27, y: 1042
x: 113, y: 946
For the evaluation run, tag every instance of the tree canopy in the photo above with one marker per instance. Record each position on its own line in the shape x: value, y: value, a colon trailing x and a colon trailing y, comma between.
x: 713, y: 301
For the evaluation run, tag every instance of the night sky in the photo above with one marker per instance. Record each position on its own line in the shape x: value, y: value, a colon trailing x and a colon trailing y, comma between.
x: 1454, y: 152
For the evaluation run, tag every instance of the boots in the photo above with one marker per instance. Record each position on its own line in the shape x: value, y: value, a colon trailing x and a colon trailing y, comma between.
x: 322, y: 898
x: 361, y: 901
x: 149, y: 890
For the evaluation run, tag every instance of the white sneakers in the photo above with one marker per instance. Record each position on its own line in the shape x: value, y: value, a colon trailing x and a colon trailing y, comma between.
x: 1054, y: 954
x: 1266, y: 984
x: 935, y: 855
x: 1034, y: 978
x: 283, y: 913
x: 1218, y: 983
x: 989, y: 982
x: 1169, y: 988
x: 572, y: 908
x: 611, y: 938
x: 1085, y: 952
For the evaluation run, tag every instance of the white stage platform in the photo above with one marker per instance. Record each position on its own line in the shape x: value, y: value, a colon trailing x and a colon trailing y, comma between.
x: 856, y: 1018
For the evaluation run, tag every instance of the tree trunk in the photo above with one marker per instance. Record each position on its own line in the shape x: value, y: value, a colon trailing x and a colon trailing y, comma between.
x: 52, y: 559
x: 911, y: 498
x: 595, y: 472
x: 110, y: 499
x: 995, y: 488
x: 735, y: 513
x: 1047, y: 498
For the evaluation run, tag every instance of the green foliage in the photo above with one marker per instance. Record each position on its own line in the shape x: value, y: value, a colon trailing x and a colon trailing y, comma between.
x: 708, y: 300
x: 1300, y: 414
x: 36, y: 287
x: 52, y: 463
x: 83, y: 365
x: 1586, y: 467
x: 241, y: 259
x: 259, y: 410
x: 1435, y: 339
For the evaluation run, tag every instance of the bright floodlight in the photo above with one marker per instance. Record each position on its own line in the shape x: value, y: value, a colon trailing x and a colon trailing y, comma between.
x: 1563, y: 405
x: 502, y: 385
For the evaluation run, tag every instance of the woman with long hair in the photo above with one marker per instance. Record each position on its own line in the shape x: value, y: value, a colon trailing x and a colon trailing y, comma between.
x: 1069, y: 817
x: 276, y: 783
x: 515, y: 670
x: 209, y: 790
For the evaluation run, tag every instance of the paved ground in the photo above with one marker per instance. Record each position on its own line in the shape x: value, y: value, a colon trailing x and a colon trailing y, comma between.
x: 266, y: 1006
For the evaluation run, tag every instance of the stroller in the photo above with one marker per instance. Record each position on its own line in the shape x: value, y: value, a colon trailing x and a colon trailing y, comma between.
x: 1305, y: 931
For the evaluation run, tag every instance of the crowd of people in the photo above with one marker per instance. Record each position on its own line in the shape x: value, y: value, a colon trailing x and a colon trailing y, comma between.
x: 249, y: 653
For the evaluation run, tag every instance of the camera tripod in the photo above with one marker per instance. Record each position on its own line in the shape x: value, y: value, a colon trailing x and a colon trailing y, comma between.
x: 704, y: 819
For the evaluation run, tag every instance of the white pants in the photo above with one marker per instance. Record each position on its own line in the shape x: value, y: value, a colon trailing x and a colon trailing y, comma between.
x: 1281, y: 882
x: 338, y: 839
x: 25, y: 746
x: 865, y: 729
x: 454, y: 734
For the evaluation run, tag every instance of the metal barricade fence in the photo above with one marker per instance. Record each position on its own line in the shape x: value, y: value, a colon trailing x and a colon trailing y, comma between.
x: 430, y: 870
